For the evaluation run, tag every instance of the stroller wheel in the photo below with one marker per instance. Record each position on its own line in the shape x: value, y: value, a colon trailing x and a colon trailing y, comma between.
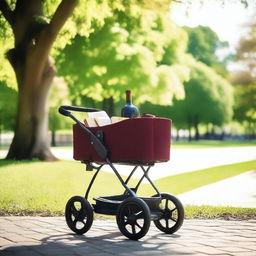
x: 133, y: 218
x: 79, y: 214
x: 173, y: 214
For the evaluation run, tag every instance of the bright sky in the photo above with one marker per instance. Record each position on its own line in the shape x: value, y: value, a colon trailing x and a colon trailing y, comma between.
x: 227, y: 20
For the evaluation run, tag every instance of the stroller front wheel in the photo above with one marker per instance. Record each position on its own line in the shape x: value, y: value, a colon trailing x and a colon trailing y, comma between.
x: 79, y: 214
x: 172, y: 214
x: 133, y: 218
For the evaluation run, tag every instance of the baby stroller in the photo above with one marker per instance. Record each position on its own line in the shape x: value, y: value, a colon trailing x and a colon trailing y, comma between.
x: 140, y: 143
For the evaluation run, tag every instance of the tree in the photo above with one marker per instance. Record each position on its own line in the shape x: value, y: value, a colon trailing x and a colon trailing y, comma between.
x: 34, y: 70
x: 127, y: 53
x: 35, y: 25
x: 245, y: 81
x: 209, y: 99
x: 203, y: 44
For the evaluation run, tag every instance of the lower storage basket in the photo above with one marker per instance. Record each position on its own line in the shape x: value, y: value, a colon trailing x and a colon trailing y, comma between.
x: 135, y: 140
x: 109, y: 204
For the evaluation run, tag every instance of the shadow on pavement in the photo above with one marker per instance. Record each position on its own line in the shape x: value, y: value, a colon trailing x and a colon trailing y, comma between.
x: 108, y: 244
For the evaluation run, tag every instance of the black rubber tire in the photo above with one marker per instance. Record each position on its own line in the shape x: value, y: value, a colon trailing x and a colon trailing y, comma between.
x: 130, y: 211
x: 172, y: 211
x: 79, y: 212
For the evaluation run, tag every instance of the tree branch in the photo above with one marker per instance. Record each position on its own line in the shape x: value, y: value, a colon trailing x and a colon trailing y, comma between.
x: 6, y: 11
x: 48, y: 35
x: 62, y: 13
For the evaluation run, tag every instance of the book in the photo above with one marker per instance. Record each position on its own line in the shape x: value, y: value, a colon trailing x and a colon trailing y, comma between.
x: 101, y: 118
x: 115, y: 119
x: 90, y: 122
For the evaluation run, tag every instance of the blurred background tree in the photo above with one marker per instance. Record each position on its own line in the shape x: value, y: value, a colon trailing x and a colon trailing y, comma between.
x: 8, y: 99
x: 59, y: 95
x: 245, y: 81
x: 203, y: 44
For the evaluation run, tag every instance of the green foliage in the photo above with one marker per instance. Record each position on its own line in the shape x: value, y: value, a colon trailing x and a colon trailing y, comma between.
x: 58, y: 96
x: 8, y: 99
x: 127, y: 52
x: 245, y: 81
x: 203, y: 43
x: 209, y: 98
x: 6, y: 42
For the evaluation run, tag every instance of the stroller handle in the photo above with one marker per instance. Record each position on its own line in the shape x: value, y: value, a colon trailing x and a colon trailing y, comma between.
x: 64, y: 110
x: 95, y: 141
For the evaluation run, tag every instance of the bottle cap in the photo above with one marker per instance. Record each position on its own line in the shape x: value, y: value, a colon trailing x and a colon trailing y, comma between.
x: 128, y: 92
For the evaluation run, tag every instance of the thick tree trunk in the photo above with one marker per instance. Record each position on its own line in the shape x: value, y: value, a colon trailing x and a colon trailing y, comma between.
x: 31, y: 138
x: 33, y: 40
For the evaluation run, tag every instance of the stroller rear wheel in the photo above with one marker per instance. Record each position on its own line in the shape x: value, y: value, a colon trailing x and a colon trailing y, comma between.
x: 133, y: 218
x: 79, y: 214
x: 173, y: 214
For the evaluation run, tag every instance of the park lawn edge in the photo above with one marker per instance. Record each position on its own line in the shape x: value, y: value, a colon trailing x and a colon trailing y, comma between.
x: 191, y: 212
x: 201, y: 212
x: 184, y: 182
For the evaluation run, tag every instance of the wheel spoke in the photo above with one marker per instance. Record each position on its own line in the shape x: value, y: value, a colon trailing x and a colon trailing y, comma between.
x: 74, y: 210
x: 133, y: 229
x: 171, y: 218
x: 75, y: 222
x: 166, y: 204
x: 167, y: 223
x: 138, y: 225
x: 173, y: 209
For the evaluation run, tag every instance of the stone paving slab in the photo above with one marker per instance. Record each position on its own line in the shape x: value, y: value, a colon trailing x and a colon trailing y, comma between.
x: 45, y: 236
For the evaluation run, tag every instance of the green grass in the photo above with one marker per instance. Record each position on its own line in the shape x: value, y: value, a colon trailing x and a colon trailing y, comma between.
x: 219, y: 212
x: 211, y: 144
x: 46, y: 186
x: 184, y: 182
x: 43, y: 188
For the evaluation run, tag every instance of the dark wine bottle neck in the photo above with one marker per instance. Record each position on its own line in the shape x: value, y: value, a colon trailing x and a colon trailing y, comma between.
x: 128, y: 97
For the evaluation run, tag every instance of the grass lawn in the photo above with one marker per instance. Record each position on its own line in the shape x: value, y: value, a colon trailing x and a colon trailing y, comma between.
x: 46, y: 186
x: 43, y: 188
x: 184, y: 182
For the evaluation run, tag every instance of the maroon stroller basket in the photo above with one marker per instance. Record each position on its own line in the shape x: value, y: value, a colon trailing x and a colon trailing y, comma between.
x: 139, y: 142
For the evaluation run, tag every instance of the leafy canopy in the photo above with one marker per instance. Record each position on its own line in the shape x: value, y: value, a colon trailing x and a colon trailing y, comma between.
x: 142, y: 53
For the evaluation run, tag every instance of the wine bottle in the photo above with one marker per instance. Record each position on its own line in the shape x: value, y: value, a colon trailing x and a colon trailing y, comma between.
x: 129, y: 110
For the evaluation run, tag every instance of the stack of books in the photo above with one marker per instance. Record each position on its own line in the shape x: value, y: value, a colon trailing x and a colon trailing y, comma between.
x: 101, y: 118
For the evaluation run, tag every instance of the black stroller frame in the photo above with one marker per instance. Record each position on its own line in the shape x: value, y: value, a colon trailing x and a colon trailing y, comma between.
x: 133, y: 213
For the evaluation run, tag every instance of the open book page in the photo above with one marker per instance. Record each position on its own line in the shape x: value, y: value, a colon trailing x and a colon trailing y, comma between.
x: 101, y: 118
x: 97, y: 119
x: 115, y: 119
x: 90, y: 122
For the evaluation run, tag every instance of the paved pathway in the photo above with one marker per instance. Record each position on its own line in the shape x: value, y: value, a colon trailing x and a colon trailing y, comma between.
x: 35, y: 236
x: 186, y: 160
x: 181, y: 160
x: 237, y: 191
